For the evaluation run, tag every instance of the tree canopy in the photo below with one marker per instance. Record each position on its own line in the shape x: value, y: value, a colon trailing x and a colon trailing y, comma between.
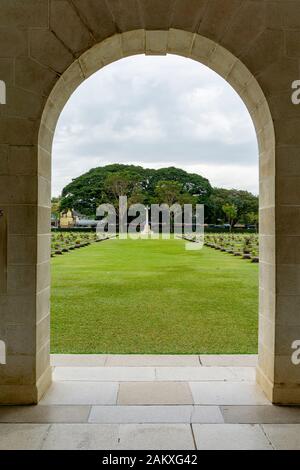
x: 170, y: 185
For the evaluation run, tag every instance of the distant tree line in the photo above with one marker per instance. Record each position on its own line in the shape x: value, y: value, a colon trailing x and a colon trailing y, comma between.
x: 148, y: 186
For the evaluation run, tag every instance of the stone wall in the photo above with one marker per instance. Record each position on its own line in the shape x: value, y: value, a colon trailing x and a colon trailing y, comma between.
x: 47, y: 48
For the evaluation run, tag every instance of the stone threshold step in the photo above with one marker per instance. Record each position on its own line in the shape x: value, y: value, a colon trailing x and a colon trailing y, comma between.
x: 153, y: 360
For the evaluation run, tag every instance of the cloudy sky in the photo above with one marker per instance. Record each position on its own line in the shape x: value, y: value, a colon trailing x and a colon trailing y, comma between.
x: 157, y: 112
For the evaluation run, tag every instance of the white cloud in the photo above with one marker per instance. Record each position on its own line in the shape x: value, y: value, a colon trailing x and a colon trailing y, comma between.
x: 157, y: 111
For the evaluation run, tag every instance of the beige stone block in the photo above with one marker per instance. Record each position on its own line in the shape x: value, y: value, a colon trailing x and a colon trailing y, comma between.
x: 267, y: 304
x: 4, y: 155
x: 13, y: 42
x: 285, y: 371
x: 73, y: 77
x: 188, y: 15
x: 288, y: 250
x: 202, y: 49
x: 97, y: 16
x: 22, y: 161
x: 7, y: 71
x: 287, y: 131
x: 217, y: 16
x: 104, y: 53
x: 21, y: 250
x: 278, y: 77
x: 22, y: 219
x: 44, y: 192
x: 52, y: 112
x: 43, y: 359
x: 156, y: 42
x: 157, y: 14
x: 255, y: 98
x: 18, y: 131
x: 282, y: 107
x: 21, y: 280
x: 267, y: 163
x: 286, y: 395
x: 288, y: 279
x: 18, y: 395
x: 266, y: 335
x: 239, y: 76
x: 47, y: 49
x: 43, y: 334
x: 32, y: 76
x: 19, y: 309
x: 64, y: 30
x: 42, y: 304
x: 44, y: 220
x: 288, y: 190
x: 43, y: 248
x: 288, y: 220
x: 245, y: 26
x: 21, y: 339
x: 45, y: 139
x: 266, y: 138
x: 285, y: 337
x: 266, y: 49
x: 180, y: 42
x: 22, y: 103
x: 18, y: 190
x: 267, y: 192
x: 222, y: 61
x: 267, y: 276
x: 24, y: 14
x: 291, y: 15
x: 44, y: 164
x: 133, y: 42
x: 267, y: 249
x: 260, y: 114
x: 43, y: 276
x: 267, y: 221
x: 18, y: 370
x: 287, y: 312
x: 126, y: 15
x: 266, y: 361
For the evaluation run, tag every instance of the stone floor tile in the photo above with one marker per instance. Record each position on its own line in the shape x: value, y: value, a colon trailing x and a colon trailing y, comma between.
x: 154, y: 393
x: 81, y: 437
x: 261, y: 414
x: 156, y: 437
x: 141, y: 414
x: 195, y: 373
x: 234, y: 360
x: 283, y: 436
x: 78, y: 360
x: 227, y: 393
x: 207, y: 414
x: 230, y: 437
x: 154, y: 360
x: 22, y: 436
x: 104, y: 374
x: 81, y: 393
x: 243, y: 374
x: 44, y: 414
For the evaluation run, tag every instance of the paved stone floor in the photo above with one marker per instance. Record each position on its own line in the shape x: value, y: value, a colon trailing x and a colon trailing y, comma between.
x: 151, y: 402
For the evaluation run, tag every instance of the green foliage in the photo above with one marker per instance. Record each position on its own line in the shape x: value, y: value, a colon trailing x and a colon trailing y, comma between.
x: 105, y: 184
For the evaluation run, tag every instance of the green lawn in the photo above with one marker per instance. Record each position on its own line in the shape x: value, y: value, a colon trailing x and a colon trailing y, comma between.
x: 153, y: 296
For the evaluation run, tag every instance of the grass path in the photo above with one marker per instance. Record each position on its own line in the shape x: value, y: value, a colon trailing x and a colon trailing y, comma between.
x: 153, y: 296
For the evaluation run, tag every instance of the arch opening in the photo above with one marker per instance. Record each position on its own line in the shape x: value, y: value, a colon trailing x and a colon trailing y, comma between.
x: 237, y: 75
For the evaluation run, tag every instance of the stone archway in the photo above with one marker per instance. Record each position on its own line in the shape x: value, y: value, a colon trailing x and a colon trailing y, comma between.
x: 49, y: 48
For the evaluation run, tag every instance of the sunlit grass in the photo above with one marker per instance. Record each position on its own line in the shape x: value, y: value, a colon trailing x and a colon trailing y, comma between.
x: 153, y: 296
